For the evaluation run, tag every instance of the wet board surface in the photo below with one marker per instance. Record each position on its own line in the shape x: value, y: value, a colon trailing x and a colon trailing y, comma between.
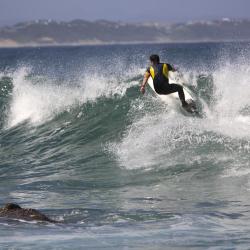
x: 173, y: 99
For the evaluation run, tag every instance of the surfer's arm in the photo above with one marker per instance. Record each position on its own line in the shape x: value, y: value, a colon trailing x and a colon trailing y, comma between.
x: 144, y: 82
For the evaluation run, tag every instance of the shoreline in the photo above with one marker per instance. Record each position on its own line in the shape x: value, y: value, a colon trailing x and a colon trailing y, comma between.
x: 37, y: 45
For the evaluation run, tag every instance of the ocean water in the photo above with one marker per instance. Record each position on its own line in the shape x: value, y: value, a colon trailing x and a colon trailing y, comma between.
x: 120, y: 170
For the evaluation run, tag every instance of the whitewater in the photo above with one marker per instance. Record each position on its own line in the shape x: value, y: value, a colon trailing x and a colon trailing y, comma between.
x: 121, y: 170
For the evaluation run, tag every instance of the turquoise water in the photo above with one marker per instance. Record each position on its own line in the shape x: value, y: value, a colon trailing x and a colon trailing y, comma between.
x: 120, y: 170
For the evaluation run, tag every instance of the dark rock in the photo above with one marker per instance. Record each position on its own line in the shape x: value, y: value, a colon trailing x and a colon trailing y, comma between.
x: 14, y: 211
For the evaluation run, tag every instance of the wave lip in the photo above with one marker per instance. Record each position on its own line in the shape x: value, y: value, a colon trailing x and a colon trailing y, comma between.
x: 40, y: 102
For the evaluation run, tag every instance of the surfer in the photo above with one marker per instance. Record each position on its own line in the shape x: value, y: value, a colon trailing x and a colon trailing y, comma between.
x: 159, y: 73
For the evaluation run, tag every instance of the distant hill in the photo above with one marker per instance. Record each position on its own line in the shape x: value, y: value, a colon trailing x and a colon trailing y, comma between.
x: 80, y: 32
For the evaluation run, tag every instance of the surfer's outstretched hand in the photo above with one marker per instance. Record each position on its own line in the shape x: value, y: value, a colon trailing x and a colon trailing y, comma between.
x: 142, y: 90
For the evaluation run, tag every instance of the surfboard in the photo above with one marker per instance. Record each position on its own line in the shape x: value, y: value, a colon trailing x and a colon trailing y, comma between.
x: 173, y: 99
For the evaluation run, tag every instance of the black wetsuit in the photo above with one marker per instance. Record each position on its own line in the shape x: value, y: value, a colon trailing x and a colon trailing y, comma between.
x: 161, y: 82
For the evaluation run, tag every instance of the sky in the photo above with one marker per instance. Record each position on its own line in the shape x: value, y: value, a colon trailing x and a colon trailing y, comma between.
x: 13, y: 11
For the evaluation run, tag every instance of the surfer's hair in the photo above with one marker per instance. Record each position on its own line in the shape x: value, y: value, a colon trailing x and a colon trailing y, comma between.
x: 154, y: 58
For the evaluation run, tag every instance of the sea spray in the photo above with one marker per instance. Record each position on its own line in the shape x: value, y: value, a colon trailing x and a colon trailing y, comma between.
x: 166, y: 134
x: 41, y: 101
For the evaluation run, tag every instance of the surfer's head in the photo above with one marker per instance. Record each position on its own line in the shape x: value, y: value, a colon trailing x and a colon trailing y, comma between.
x: 154, y: 59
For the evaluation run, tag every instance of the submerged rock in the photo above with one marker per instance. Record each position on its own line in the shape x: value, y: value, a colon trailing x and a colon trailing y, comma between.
x: 14, y: 211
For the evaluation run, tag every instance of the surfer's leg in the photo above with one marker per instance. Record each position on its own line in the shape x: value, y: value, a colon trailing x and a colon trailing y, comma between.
x: 172, y: 88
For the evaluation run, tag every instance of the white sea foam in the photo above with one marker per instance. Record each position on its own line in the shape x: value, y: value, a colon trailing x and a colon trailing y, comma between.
x: 168, y: 138
x: 40, y: 102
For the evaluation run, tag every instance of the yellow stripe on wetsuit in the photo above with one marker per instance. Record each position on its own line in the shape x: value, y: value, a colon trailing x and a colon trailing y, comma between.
x: 165, y: 71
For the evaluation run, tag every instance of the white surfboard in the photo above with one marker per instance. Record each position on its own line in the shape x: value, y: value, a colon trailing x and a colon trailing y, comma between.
x: 174, y: 97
